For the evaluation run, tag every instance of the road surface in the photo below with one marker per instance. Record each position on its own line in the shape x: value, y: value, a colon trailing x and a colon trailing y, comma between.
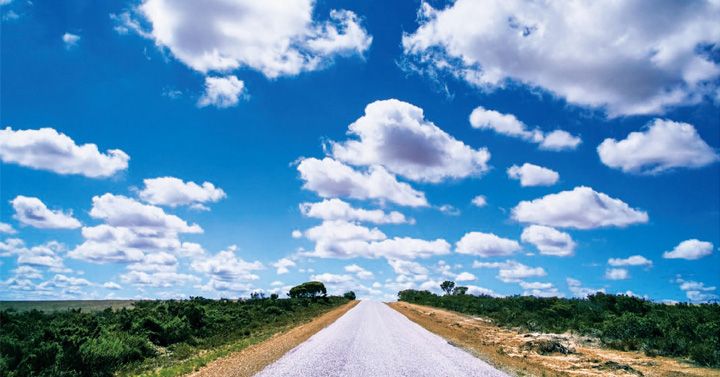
x: 374, y: 340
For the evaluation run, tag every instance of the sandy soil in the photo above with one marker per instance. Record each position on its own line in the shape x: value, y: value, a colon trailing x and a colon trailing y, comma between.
x: 253, y: 359
x: 515, y: 352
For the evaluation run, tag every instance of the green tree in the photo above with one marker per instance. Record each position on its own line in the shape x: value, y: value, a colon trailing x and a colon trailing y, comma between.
x: 310, y: 289
x: 350, y: 295
x: 459, y: 290
x: 447, y: 286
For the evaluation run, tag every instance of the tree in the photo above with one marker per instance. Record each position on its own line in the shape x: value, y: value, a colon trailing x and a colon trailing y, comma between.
x: 310, y: 289
x: 350, y: 295
x: 459, y: 290
x: 447, y: 286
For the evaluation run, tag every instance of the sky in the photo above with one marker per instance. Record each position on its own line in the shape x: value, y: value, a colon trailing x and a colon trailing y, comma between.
x: 166, y: 149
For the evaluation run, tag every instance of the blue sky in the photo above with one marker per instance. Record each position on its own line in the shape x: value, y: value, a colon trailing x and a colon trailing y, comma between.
x: 116, y: 114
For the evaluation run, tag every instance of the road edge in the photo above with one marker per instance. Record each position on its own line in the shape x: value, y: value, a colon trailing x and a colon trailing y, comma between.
x: 251, y: 360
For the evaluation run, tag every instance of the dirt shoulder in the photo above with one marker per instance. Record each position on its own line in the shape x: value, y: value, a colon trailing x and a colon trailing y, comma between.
x: 533, y: 354
x: 253, y: 359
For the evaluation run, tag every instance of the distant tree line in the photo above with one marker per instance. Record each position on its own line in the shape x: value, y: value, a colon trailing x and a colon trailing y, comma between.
x: 619, y: 321
x: 77, y: 343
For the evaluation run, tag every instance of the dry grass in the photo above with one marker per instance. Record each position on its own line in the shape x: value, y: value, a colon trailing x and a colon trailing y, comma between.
x: 253, y: 359
x: 537, y: 354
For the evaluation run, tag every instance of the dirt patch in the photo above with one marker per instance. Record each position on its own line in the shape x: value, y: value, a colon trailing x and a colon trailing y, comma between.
x: 253, y: 359
x: 537, y: 354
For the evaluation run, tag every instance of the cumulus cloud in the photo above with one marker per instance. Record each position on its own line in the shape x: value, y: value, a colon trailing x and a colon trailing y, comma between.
x: 132, y: 229
x: 336, y: 209
x: 70, y: 39
x: 173, y: 192
x: 48, y: 254
x: 479, y: 201
x: 617, y: 274
x: 164, y: 279
x: 7, y: 228
x: 509, y: 125
x: 111, y: 285
x: 408, y: 268
x: 47, y: 149
x: 549, y: 241
x: 633, y: 260
x: 539, y: 289
x: 639, y: 63
x: 533, y: 175
x: 396, y: 135
x: 697, y: 291
x: 283, y: 265
x: 275, y: 37
x: 662, y: 146
x: 342, y: 239
x: 486, y: 245
x: 360, y: 272
x: 222, y: 92
x: 331, y: 178
x: 576, y: 288
x: 33, y: 212
x: 690, y: 249
x: 465, y: 276
x: 581, y: 208
x: 512, y: 271
x: 226, y: 271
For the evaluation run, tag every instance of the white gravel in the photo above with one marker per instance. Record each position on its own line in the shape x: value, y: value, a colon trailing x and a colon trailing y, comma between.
x: 374, y: 340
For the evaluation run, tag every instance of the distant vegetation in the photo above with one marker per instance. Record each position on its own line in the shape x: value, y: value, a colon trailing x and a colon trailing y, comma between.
x: 51, y: 306
x: 619, y: 321
x: 150, y: 334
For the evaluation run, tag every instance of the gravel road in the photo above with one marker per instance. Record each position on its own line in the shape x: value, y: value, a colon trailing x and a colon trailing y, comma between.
x: 374, y: 340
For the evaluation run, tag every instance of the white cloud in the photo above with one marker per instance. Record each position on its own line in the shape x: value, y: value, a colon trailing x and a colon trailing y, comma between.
x: 296, y: 234
x: 336, y: 209
x: 690, y: 249
x: 581, y: 208
x: 486, y: 245
x: 283, y: 265
x: 639, y: 63
x: 481, y: 291
x: 514, y: 272
x: 112, y: 285
x: 360, y: 272
x: 222, y: 92
x: 121, y: 211
x: 275, y: 37
x: 662, y: 146
x: 539, y: 289
x: 70, y: 40
x: 33, y: 212
x: 27, y: 272
x: 331, y: 178
x: 533, y: 175
x: 408, y: 268
x: 163, y: 279
x: 332, y: 278
x: 44, y: 255
x: 226, y: 271
x: 46, y: 149
x: 509, y: 125
x: 479, y: 201
x: 559, y: 140
x: 131, y: 230
x: 633, y: 260
x: 7, y: 228
x: 697, y: 291
x: 549, y: 241
x: 342, y: 239
x: 396, y: 135
x: 575, y: 286
x: 617, y: 274
x: 173, y: 192
x: 465, y: 276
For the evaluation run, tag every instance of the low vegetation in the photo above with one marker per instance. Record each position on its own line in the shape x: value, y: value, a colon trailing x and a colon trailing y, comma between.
x: 149, y: 335
x: 619, y: 321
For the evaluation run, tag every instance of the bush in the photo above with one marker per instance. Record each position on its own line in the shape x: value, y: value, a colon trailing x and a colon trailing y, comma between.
x: 621, y: 322
x: 350, y: 295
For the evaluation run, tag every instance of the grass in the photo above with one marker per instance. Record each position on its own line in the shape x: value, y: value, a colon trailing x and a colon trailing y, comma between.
x: 60, y: 305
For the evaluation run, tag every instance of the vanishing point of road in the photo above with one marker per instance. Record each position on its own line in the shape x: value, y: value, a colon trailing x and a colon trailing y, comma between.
x: 374, y: 340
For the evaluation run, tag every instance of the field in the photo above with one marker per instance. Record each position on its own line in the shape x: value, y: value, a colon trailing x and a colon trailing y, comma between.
x: 163, y: 338
x: 617, y: 321
x: 53, y: 306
